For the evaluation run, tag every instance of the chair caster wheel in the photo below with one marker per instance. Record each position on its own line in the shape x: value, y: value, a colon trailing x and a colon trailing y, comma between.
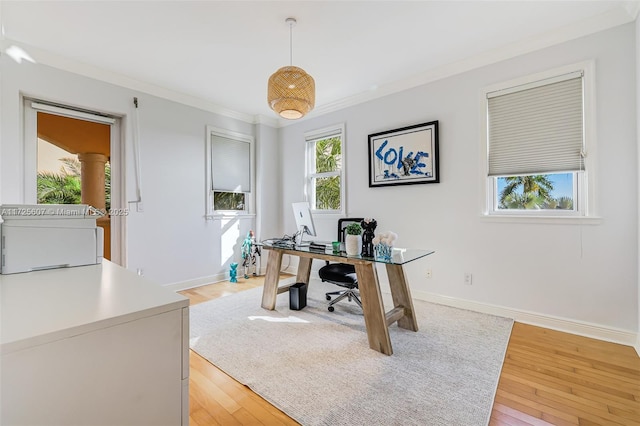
x: 328, y: 297
x: 331, y: 308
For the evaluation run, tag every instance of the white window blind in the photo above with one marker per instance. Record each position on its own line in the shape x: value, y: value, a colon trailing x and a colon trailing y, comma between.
x: 66, y: 112
x: 231, y: 165
x: 537, y: 130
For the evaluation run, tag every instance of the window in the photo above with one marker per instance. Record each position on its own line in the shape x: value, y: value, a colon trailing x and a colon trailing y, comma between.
x: 229, y: 172
x: 536, y: 162
x: 324, y: 172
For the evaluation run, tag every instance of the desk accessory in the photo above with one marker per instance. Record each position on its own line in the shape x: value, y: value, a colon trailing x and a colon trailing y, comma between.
x: 317, y: 246
x: 384, y: 245
x: 369, y: 226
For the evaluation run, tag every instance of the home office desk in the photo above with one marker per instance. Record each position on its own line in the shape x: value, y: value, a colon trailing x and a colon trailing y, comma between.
x: 377, y: 321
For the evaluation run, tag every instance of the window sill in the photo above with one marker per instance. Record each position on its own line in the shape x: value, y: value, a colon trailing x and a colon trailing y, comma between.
x: 219, y: 216
x: 545, y: 220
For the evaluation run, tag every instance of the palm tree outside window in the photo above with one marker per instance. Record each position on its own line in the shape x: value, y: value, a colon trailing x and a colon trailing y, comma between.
x: 64, y: 187
x: 325, y: 177
x: 551, y: 191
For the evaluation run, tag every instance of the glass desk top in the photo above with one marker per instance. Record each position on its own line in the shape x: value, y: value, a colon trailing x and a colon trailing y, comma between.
x: 400, y: 256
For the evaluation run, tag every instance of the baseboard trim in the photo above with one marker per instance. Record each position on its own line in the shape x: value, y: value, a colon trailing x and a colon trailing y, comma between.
x: 197, y: 282
x: 595, y: 331
x: 212, y: 279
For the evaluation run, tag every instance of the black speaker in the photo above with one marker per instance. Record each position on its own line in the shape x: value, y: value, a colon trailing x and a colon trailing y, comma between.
x: 297, y: 296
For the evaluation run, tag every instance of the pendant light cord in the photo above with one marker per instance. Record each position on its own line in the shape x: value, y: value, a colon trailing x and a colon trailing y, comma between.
x: 291, y: 44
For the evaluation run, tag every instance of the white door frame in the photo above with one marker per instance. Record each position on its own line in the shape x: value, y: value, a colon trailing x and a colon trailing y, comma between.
x: 117, y: 155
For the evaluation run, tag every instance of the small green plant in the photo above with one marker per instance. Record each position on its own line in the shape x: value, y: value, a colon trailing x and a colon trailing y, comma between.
x: 354, y: 229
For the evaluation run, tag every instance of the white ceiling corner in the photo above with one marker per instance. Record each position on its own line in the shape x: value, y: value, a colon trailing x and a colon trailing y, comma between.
x: 218, y: 55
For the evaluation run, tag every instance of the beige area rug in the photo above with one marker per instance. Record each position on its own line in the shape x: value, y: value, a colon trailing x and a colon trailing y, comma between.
x: 317, y: 367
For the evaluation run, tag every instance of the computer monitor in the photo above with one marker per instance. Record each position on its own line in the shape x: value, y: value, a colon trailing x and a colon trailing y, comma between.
x: 304, y: 221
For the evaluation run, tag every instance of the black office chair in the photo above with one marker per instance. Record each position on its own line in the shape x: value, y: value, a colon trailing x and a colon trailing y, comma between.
x: 341, y: 274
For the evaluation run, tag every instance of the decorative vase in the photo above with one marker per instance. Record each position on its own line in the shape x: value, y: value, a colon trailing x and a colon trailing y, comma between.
x: 353, y: 245
x: 384, y: 252
x: 233, y: 273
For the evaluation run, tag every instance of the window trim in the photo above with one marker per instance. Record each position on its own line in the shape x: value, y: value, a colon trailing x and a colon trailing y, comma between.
x: 310, y: 138
x: 28, y: 184
x: 586, y: 199
x: 210, y: 212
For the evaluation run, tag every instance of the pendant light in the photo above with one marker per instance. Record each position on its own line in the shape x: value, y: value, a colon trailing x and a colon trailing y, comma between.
x: 291, y: 92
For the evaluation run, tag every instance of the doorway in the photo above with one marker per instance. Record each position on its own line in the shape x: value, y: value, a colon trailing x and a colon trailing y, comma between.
x: 70, y: 158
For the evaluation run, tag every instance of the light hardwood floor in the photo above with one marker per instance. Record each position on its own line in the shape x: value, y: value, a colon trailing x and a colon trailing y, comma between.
x: 548, y: 377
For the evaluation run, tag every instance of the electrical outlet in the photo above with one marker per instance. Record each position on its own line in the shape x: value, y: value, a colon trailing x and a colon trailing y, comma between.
x: 467, y: 278
x: 429, y: 274
x: 140, y: 271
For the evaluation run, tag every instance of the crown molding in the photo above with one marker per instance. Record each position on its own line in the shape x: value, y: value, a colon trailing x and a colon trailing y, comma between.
x: 633, y: 8
x: 619, y: 16
x: 611, y: 19
x: 56, y: 61
x: 263, y: 119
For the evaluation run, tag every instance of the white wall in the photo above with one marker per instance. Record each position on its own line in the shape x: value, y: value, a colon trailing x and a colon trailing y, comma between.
x: 269, y: 221
x: 585, y: 273
x: 268, y: 161
x: 170, y: 240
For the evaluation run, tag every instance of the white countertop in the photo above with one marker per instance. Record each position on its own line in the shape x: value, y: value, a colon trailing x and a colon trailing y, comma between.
x: 43, y: 306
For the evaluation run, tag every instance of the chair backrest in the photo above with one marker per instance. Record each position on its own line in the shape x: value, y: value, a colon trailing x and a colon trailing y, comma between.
x: 342, y: 226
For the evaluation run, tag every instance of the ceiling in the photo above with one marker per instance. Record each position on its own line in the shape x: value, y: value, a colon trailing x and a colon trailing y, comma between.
x: 221, y: 53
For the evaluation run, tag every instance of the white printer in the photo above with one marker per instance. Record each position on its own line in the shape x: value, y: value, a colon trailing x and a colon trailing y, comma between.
x: 46, y: 236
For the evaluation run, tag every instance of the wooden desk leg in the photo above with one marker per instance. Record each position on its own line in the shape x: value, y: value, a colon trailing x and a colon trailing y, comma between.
x: 402, y: 296
x: 304, y: 270
x: 271, y: 279
x: 374, y: 316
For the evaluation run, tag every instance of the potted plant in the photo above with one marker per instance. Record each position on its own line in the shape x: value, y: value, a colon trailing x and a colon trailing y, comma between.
x: 353, y: 239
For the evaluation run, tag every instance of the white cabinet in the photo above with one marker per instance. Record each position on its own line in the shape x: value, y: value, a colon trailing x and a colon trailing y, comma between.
x: 92, y: 345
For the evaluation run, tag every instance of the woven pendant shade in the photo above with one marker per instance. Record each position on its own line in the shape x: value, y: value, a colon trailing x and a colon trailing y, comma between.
x: 291, y: 92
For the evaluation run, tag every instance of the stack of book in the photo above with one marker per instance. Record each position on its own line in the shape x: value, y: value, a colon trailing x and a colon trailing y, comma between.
x: 317, y: 246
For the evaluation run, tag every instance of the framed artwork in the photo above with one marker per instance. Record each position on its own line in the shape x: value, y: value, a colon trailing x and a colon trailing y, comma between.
x: 404, y: 156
